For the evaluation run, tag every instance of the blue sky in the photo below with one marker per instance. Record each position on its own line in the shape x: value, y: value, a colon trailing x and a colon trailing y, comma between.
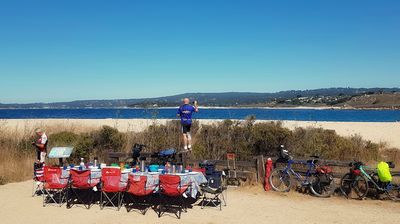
x: 67, y: 50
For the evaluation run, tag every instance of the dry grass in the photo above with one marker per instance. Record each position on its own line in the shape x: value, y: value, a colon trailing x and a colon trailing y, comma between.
x: 15, y: 161
x: 15, y: 167
x: 16, y: 152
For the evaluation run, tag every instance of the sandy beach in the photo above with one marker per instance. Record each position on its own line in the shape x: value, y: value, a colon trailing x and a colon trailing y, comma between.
x: 387, y: 132
x: 245, y: 205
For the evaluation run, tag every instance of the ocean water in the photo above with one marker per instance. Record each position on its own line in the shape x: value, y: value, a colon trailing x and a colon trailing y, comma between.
x: 261, y: 114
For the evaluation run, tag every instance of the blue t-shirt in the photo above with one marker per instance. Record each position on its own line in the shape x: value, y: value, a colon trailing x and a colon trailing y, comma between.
x: 185, y: 112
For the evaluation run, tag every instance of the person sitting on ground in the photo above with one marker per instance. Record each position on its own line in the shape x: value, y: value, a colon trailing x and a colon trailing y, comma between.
x: 40, y: 145
x: 185, y: 112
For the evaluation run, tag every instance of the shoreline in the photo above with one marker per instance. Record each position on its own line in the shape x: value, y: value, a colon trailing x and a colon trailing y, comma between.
x: 377, y: 132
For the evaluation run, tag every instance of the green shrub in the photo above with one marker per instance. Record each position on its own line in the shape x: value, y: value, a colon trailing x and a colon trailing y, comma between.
x: 247, y: 139
x: 329, y: 145
x: 83, y: 147
x: 63, y: 138
x: 158, y: 137
x: 267, y: 137
x: 108, y: 138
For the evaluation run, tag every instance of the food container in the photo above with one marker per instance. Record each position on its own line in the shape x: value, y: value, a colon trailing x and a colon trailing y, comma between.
x: 154, y: 168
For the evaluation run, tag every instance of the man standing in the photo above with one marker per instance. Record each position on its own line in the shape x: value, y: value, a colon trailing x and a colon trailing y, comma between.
x: 185, y: 113
x: 41, y: 145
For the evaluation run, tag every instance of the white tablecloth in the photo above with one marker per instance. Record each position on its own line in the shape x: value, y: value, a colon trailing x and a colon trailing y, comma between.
x: 194, y: 179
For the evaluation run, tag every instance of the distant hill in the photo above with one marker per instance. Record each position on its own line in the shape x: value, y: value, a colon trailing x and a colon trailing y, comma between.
x: 374, y: 101
x: 315, y: 97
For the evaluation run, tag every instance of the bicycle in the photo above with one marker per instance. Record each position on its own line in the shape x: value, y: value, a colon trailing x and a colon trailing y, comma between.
x: 318, y: 179
x: 358, y: 181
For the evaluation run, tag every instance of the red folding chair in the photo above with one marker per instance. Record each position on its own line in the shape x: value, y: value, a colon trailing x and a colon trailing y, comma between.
x: 81, y: 188
x: 138, y: 194
x: 171, y: 195
x: 54, y: 186
x: 111, y: 188
x: 38, y: 179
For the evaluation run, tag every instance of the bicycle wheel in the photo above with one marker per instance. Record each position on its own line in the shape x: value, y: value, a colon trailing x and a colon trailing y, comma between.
x: 393, y: 188
x: 323, y: 185
x: 280, y: 180
x: 354, y: 187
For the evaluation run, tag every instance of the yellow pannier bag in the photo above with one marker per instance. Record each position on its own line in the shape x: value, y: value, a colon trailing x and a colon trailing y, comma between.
x: 384, y: 172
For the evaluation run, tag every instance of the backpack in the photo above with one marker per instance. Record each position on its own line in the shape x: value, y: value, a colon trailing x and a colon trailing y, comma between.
x: 384, y: 172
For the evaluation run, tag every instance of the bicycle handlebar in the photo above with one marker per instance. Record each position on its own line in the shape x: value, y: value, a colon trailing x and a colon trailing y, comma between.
x: 356, y: 163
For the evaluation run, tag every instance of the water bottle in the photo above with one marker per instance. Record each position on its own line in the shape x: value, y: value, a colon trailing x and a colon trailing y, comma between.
x: 142, y: 166
x: 166, y: 168
x: 181, y: 170
x: 95, y: 162
x: 82, y: 164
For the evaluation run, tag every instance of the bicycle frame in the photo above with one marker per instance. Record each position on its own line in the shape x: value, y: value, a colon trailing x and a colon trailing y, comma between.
x: 364, y: 173
x: 298, y: 176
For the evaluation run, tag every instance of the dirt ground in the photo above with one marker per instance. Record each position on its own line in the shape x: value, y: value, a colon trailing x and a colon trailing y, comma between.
x: 245, y: 205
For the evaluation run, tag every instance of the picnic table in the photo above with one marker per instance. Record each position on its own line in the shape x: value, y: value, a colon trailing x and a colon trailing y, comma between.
x: 193, y: 179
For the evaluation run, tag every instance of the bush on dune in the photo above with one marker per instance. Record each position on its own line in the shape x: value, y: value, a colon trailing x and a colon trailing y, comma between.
x: 63, y: 138
x: 157, y: 137
x: 329, y: 145
x: 108, y: 138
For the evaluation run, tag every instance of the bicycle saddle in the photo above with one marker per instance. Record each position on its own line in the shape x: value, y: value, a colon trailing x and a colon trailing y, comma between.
x: 391, y: 165
x: 314, y: 161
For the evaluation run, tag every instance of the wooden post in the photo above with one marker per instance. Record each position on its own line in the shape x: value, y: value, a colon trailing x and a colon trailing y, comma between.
x: 260, y: 169
x: 263, y: 168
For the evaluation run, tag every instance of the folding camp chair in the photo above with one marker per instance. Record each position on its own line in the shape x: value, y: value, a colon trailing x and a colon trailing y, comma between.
x: 213, y: 191
x: 54, y: 186
x: 171, y: 195
x: 111, y: 188
x: 38, y: 179
x: 138, y: 194
x: 81, y: 188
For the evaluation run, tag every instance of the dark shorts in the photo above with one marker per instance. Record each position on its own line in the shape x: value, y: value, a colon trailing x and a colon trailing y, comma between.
x: 186, y: 128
